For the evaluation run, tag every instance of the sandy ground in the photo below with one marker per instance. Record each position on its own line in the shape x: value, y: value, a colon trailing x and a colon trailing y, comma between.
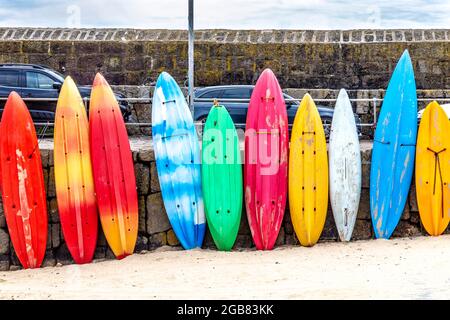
x: 416, y: 268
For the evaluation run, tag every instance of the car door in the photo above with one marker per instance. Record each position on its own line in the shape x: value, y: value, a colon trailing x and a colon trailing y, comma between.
x: 237, y: 109
x: 9, y: 81
x: 41, y: 86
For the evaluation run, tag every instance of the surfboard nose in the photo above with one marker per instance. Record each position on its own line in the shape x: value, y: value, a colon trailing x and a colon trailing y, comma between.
x: 99, y: 80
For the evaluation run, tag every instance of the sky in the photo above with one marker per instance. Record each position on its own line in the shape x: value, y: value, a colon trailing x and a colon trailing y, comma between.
x: 228, y: 14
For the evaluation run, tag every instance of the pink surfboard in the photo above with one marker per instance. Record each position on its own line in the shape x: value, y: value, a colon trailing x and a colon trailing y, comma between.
x: 266, y: 161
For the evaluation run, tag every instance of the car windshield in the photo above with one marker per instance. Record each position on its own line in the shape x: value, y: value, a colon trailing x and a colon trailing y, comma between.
x: 287, y: 98
x: 57, y: 75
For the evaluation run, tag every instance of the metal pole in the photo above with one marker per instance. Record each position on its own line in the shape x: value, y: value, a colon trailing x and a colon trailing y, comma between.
x: 191, y: 56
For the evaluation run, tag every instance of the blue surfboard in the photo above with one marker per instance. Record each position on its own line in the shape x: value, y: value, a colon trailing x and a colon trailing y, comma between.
x: 177, y: 154
x: 394, y: 150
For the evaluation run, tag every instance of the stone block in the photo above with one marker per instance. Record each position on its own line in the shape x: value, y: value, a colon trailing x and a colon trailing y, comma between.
x: 2, y: 216
x: 141, y: 244
x: 172, y: 239
x: 63, y: 255
x: 157, y: 240
x: 154, y: 183
x: 364, y: 205
x: 281, y: 239
x: 49, y: 259
x: 55, y: 234
x: 142, y: 214
x: 110, y: 254
x: 146, y: 155
x: 157, y: 220
x: 142, y: 173
x: 244, y: 228
x: 53, y: 213
x: 291, y: 239
x: 243, y: 241
x: 362, y: 230
x: 4, y: 263
x: 329, y: 232
x: 51, y: 191
x: 4, y: 242
x: 406, y: 229
x: 100, y: 253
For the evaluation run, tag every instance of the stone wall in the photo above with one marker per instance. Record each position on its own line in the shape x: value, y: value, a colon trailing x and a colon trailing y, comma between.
x: 155, y: 230
x: 354, y: 59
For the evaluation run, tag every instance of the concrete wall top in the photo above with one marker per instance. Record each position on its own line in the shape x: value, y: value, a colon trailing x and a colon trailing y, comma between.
x: 226, y: 36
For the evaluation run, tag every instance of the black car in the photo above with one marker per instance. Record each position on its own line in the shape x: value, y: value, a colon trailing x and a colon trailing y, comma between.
x: 238, y: 110
x: 35, y: 81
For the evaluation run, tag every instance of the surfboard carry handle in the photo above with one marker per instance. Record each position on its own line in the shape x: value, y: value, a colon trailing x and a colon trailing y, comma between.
x: 308, y: 132
x: 175, y: 135
x: 274, y: 132
x: 407, y: 145
x: 265, y: 99
x: 437, y: 164
x: 382, y: 142
x: 169, y: 101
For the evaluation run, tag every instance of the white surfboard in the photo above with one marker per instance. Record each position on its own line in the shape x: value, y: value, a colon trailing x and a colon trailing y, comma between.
x: 345, y: 167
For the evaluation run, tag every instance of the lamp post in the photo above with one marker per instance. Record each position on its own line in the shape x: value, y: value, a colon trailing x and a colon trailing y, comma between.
x: 191, y: 57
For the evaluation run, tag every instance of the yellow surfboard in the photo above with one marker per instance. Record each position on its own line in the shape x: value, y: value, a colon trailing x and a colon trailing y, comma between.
x: 433, y: 169
x: 308, y: 174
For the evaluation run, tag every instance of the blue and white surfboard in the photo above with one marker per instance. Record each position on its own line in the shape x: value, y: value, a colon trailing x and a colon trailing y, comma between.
x: 177, y: 153
x: 394, y: 150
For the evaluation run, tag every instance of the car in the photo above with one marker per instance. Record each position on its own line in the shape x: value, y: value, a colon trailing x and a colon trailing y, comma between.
x: 204, y: 97
x: 36, y: 81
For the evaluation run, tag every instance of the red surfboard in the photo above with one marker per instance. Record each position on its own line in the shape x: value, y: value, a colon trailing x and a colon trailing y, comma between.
x: 23, y: 193
x: 112, y: 162
x: 266, y: 161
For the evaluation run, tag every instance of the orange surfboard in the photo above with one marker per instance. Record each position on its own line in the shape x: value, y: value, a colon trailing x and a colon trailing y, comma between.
x: 73, y: 175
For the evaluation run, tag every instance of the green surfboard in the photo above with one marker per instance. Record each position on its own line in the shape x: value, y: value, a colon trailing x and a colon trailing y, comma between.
x: 222, y: 177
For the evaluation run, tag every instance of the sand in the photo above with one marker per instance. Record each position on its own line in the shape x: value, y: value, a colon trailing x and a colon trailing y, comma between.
x: 416, y: 268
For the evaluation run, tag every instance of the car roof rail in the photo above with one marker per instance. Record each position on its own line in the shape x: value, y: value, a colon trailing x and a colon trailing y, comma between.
x: 34, y: 66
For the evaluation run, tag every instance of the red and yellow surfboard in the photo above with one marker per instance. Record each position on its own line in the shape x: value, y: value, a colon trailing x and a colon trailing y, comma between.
x: 22, y: 178
x: 114, y: 178
x: 73, y: 175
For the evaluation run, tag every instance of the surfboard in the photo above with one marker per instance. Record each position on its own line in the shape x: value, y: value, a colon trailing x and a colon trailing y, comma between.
x: 177, y: 153
x: 222, y: 177
x: 345, y: 167
x: 433, y: 169
x: 74, y: 180
x: 112, y: 163
x: 394, y: 150
x: 266, y: 161
x: 308, y: 174
x: 23, y: 191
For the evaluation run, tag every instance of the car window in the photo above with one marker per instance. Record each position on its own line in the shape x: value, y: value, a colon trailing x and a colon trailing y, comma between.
x: 214, y: 94
x: 9, y: 78
x: 237, y: 93
x: 36, y: 80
